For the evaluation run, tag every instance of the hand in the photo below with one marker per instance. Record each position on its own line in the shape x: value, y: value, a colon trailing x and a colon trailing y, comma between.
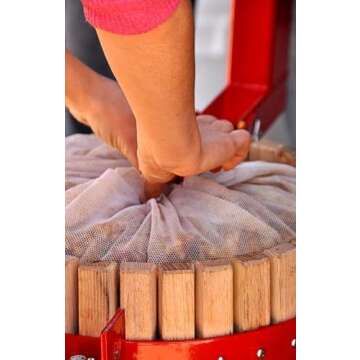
x: 110, y: 117
x: 221, y: 146
x: 113, y: 121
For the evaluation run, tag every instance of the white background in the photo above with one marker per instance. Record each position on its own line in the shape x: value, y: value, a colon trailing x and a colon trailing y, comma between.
x: 32, y: 179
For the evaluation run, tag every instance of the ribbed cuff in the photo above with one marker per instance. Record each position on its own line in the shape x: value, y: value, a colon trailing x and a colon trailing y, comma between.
x: 128, y: 16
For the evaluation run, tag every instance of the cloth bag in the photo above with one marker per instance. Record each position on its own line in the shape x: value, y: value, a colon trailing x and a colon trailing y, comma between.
x: 245, y: 210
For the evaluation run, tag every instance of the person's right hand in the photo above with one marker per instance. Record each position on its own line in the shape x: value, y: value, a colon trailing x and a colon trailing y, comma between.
x: 221, y: 147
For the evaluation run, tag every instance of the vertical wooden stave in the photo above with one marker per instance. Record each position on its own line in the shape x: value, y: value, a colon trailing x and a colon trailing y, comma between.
x: 138, y: 297
x: 251, y: 292
x: 214, y: 298
x: 71, y: 294
x: 283, y: 281
x: 98, y: 296
x: 176, y: 299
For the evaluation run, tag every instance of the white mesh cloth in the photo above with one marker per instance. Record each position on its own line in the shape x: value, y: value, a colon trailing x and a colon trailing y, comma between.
x: 222, y: 215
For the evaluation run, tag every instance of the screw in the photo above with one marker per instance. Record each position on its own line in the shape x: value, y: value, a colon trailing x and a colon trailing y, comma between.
x: 260, y: 353
x: 256, y: 130
x: 221, y: 358
x: 293, y: 343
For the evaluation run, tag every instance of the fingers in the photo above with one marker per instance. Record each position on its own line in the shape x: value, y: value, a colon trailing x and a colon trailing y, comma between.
x: 219, y: 149
x: 205, y: 119
x: 242, y: 143
x: 214, y: 123
x: 233, y: 162
x: 222, y: 125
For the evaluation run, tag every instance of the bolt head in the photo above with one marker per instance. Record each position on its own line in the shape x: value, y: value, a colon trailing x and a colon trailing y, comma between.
x: 293, y: 343
x: 221, y: 358
x: 78, y: 357
x: 260, y: 353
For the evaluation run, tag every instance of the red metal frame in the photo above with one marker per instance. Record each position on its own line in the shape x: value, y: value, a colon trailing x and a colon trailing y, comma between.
x: 258, y: 63
x: 257, y: 73
x: 82, y: 345
x: 275, y: 341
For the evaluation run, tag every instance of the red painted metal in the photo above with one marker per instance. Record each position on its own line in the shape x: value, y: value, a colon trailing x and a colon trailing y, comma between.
x: 258, y: 63
x: 82, y: 345
x: 257, y: 73
x: 252, y: 36
x: 275, y: 340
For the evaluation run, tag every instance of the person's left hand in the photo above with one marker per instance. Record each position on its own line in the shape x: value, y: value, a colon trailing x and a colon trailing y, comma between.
x: 109, y: 116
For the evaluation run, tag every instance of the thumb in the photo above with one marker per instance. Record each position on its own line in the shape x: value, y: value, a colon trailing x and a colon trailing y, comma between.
x: 242, y: 141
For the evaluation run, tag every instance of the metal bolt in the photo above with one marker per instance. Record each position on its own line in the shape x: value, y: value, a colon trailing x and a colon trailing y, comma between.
x: 260, y: 353
x: 256, y: 130
x: 78, y: 357
x: 221, y: 358
x: 293, y: 343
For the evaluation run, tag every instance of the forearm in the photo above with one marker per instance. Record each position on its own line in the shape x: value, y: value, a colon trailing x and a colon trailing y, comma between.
x: 156, y: 73
x: 80, y: 81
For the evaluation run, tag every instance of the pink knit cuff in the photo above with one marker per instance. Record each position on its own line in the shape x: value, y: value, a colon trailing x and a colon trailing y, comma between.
x: 128, y: 16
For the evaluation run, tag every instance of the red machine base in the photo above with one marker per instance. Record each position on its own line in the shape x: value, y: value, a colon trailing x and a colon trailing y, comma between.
x: 275, y: 342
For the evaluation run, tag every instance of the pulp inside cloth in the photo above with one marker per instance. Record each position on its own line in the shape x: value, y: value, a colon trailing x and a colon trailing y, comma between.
x: 245, y: 210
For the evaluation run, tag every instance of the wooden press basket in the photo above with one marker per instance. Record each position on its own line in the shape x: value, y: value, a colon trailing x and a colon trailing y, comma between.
x: 260, y: 323
x: 243, y: 308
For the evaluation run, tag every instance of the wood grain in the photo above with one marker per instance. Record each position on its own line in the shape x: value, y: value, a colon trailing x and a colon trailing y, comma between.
x: 251, y: 292
x: 98, y: 296
x: 266, y: 150
x: 283, y: 281
x: 71, y: 294
x: 138, y: 299
x: 214, y: 298
x: 176, y: 298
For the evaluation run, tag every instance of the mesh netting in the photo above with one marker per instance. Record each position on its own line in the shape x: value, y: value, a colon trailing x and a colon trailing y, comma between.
x: 245, y: 210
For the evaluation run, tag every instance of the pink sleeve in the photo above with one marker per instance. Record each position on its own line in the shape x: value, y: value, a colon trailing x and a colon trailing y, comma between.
x: 128, y: 16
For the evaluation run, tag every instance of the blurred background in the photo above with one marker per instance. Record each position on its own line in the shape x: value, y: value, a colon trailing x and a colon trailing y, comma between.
x: 211, y: 47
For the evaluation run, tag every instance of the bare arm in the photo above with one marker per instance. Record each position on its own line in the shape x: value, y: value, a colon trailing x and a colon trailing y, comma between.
x: 80, y: 81
x: 156, y: 72
x: 98, y: 102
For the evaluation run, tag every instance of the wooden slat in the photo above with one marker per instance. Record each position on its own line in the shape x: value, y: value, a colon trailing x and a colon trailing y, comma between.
x: 283, y: 282
x: 176, y: 298
x: 267, y: 150
x: 138, y: 299
x: 71, y: 294
x: 214, y: 298
x: 251, y: 292
x: 98, y: 296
